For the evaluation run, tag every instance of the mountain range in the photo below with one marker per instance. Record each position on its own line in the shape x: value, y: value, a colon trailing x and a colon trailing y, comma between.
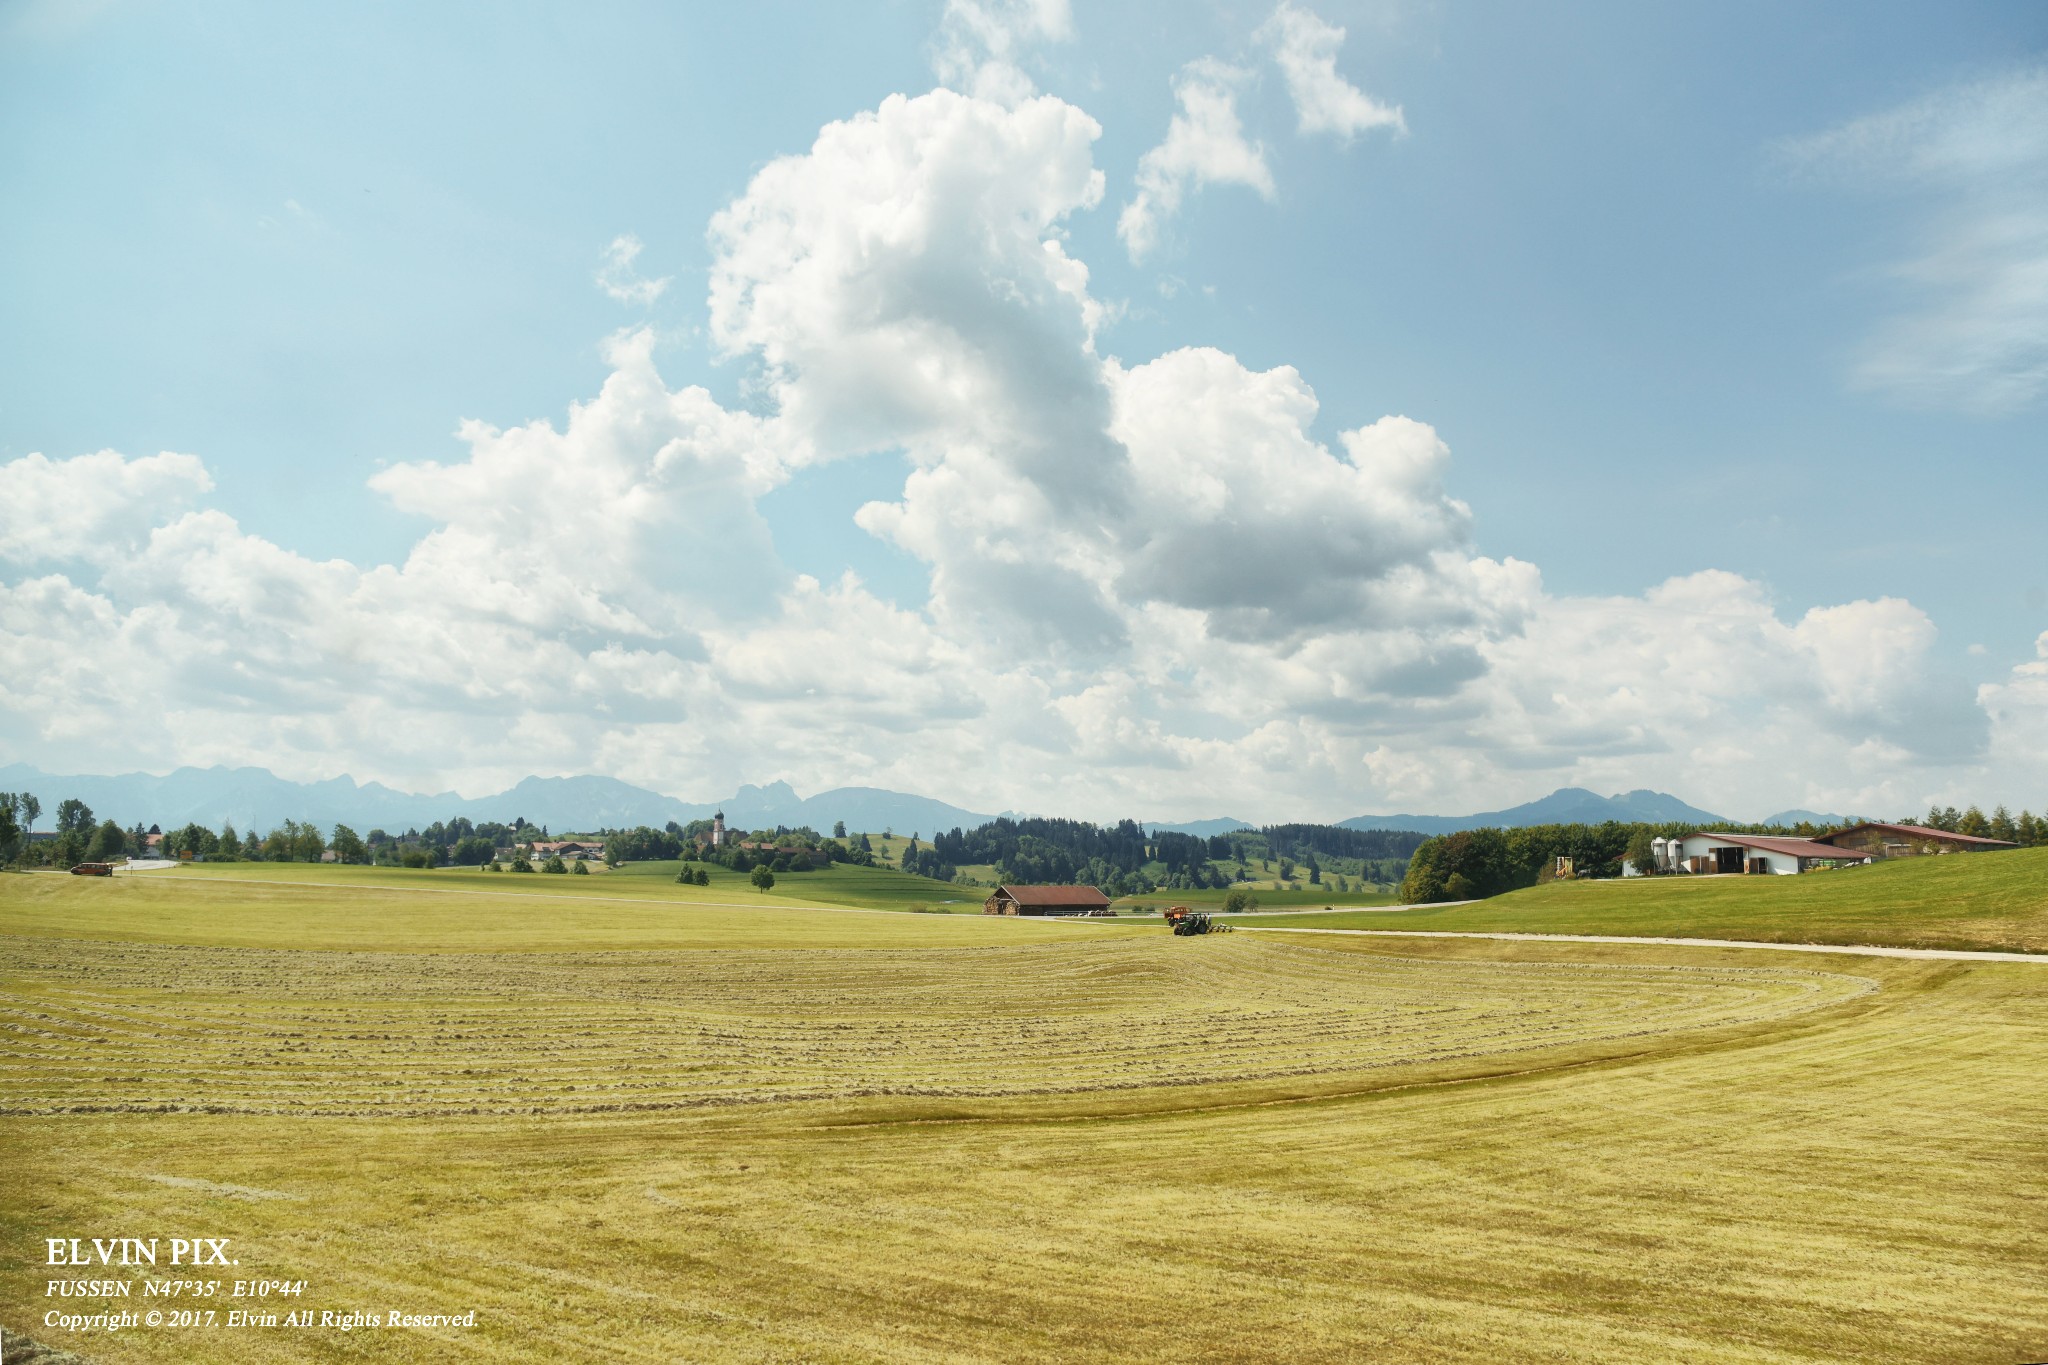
x: 1565, y: 806
x: 255, y: 796
x: 252, y: 797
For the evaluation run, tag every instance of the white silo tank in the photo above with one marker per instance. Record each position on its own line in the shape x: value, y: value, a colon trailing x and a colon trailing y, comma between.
x: 1661, y: 853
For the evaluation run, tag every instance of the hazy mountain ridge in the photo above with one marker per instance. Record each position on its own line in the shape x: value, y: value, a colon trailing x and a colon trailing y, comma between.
x: 1788, y: 818
x: 1565, y: 806
x: 251, y: 797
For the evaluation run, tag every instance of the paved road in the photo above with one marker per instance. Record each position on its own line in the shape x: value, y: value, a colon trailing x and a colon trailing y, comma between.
x: 1854, y: 949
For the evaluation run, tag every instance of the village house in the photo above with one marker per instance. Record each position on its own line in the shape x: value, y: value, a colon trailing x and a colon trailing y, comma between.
x: 1044, y: 900
x: 1907, y: 841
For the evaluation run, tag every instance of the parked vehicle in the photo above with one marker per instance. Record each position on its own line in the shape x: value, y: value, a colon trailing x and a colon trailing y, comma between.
x: 93, y: 870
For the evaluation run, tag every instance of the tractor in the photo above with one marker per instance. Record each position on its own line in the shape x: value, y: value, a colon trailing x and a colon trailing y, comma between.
x: 1186, y: 922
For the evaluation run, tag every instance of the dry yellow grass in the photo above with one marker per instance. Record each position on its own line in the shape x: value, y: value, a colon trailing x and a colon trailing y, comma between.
x: 91, y: 1027
x: 1124, y: 1147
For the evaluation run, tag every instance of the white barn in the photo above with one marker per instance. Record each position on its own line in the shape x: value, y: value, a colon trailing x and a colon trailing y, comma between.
x: 1757, y: 854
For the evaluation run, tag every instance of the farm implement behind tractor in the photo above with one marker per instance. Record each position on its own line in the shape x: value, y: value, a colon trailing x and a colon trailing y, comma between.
x: 1186, y: 922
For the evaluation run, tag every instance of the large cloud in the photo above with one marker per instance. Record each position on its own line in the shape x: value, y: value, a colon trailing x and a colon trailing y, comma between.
x: 1154, y: 588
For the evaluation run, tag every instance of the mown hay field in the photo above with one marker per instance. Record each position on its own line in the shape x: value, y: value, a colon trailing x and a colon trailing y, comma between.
x: 1996, y: 901
x: 920, y: 1138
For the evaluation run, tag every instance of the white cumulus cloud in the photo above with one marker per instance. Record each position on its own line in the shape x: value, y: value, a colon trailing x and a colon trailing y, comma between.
x: 1205, y: 144
x: 1155, y: 588
x: 1305, y: 48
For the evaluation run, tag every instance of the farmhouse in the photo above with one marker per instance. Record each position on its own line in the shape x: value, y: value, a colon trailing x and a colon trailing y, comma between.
x: 1044, y: 900
x: 1751, y: 853
x: 569, y: 848
x: 1907, y: 841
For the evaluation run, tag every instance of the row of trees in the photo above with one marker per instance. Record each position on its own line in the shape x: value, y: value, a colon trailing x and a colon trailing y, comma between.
x: 80, y: 838
x: 1475, y: 863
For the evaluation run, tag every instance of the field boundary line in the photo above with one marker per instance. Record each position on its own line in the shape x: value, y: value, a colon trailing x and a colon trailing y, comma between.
x: 1854, y: 949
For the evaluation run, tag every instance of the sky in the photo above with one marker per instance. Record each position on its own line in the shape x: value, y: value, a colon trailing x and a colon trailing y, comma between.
x: 1285, y: 411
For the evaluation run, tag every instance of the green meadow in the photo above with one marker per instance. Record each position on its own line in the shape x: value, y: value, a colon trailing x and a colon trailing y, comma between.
x: 1995, y: 901
x: 1302, y: 897
x: 627, y: 1121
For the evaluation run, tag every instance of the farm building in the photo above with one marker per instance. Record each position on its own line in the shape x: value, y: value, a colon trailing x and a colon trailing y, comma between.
x: 569, y: 848
x: 1751, y: 853
x: 1907, y: 841
x: 1044, y: 900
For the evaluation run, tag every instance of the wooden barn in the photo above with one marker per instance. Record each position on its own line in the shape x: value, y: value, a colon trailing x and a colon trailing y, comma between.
x: 1044, y: 900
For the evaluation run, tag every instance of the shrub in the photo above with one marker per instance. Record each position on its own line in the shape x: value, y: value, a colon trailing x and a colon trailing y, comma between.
x: 554, y: 864
x: 703, y: 876
x: 1237, y: 902
x: 521, y: 865
x: 579, y: 868
x: 415, y: 858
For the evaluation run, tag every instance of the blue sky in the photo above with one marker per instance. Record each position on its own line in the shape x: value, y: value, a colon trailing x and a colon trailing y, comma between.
x: 1743, y: 291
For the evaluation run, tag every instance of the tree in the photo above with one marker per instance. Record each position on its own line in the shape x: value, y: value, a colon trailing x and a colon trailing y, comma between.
x: 1239, y: 901
x: 472, y: 850
x: 521, y: 864
x: 73, y: 816
x: 1973, y: 822
x: 1463, y: 866
x: 762, y: 879
x: 839, y: 829
x: 12, y: 835
x: 554, y: 864
x: 194, y: 839
x: 230, y: 846
x: 703, y: 876
x: 1641, y: 850
x: 348, y: 846
x: 108, y: 842
x: 580, y: 868
x: 28, y: 807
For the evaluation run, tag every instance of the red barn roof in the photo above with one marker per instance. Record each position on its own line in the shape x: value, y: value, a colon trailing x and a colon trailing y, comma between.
x: 1919, y: 832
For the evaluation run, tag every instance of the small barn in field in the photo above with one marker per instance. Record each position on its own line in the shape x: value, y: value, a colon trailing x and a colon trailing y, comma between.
x: 1908, y: 841
x: 1044, y: 900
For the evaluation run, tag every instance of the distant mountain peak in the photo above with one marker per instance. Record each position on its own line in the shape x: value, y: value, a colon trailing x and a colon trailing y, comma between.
x: 1565, y: 806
